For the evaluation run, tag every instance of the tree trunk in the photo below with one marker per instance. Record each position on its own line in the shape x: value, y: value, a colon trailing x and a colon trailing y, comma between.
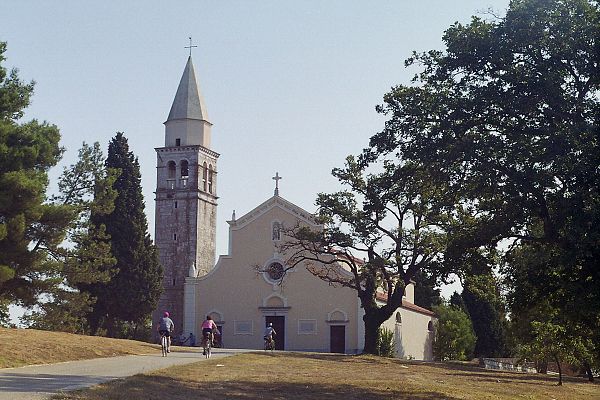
x: 375, y: 316
x: 588, y: 371
x: 110, y: 327
x: 559, y: 370
x: 541, y: 366
x: 371, y: 334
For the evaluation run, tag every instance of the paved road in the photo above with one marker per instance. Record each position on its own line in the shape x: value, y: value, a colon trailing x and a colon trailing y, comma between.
x: 42, y: 381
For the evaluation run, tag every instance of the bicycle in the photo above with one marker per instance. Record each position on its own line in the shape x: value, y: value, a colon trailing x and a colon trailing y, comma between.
x: 164, y: 342
x: 207, y: 345
x: 269, y: 343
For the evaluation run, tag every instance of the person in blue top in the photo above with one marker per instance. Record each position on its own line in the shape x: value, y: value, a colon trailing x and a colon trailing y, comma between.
x: 165, y: 327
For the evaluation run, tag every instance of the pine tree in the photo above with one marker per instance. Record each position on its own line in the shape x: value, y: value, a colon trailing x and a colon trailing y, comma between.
x: 31, y: 230
x: 86, y: 186
x: 133, y: 293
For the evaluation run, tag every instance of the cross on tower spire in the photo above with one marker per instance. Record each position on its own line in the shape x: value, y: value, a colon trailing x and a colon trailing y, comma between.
x: 190, y: 46
x: 276, y: 178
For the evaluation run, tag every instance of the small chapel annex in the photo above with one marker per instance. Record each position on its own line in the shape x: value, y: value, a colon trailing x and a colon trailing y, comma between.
x: 243, y: 291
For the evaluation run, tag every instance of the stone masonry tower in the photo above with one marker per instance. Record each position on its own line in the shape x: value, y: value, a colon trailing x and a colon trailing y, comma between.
x: 186, y: 196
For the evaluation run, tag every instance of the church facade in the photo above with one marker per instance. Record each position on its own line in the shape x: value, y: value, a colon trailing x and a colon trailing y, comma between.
x: 246, y: 288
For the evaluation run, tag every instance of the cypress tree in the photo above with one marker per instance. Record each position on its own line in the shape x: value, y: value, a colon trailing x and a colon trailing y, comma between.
x: 133, y: 293
x: 484, y: 305
x: 457, y: 301
x: 426, y: 293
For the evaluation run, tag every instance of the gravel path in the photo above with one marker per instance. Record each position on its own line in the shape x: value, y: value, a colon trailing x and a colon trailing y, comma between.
x: 42, y: 381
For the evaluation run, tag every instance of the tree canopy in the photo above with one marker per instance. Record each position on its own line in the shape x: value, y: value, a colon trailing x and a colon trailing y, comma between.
x: 378, y: 234
x: 493, y: 147
x: 86, y: 187
x: 506, y: 117
x: 31, y: 229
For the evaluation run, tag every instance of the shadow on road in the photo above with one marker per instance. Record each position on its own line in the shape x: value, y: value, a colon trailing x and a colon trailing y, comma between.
x: 46, y: 383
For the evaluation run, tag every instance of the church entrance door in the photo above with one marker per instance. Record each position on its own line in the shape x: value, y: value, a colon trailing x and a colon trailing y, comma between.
x: 279, y: 326
x: 337, y: 338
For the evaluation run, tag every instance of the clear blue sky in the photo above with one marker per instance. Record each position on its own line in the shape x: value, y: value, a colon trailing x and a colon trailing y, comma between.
x: 290, y: 86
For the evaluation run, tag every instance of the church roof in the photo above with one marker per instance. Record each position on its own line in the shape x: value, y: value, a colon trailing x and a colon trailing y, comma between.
x: 275, y: 201
x: 188, y: 102
x: 405, y: 304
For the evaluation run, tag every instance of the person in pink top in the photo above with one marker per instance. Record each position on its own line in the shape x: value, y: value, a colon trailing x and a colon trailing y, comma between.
x: 208, y: 328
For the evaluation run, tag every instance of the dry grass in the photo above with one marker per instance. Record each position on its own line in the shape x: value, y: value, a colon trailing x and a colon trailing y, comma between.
x: 297, y: 376
x: 29, y: 346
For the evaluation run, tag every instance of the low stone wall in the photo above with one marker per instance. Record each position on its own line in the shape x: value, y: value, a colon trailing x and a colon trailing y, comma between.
x: 508, y: 364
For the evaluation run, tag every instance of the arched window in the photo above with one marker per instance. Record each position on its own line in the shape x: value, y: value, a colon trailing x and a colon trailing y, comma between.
x: 171, y: 166
x: 204, y: 176
x: 399, y: 317
x: 210, y: 179
x: 430, y: 326
x: 185, y: 170
x: 171, y: 170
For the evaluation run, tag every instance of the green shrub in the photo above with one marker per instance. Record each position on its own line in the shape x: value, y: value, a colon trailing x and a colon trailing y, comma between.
x: 385, y: 343
x: 454, y: 336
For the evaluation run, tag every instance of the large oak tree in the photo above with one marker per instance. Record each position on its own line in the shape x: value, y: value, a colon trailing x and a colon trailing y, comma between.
x: 377, y: 235
x: 507, y: 116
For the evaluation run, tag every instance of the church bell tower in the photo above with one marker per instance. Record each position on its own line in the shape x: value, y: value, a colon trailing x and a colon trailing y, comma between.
x: 186, y: 196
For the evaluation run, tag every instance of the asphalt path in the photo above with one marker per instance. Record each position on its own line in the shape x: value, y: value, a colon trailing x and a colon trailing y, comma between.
x: 42, y: 381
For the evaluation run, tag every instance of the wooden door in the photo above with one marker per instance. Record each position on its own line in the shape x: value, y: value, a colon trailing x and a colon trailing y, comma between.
x: 279, y: 326
x: 337, y: 335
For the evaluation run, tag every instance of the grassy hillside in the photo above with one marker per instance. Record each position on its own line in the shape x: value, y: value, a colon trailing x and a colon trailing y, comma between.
x: 301, y: 376
x: 30, y: 346
x: 285, y: 375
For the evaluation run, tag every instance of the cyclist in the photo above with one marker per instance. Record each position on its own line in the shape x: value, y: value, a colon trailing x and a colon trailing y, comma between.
x: 269, y: 333
x: 165, y: 327
x: 208, y: 328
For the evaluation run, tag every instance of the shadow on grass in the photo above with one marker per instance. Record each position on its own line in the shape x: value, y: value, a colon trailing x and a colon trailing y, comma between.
x: 154, y: 387
x: 506, y: 376
x: 337, y: 358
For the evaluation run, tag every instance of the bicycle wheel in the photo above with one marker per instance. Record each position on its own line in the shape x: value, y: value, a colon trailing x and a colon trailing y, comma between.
x: 208, y: 347
x: 163, y: 345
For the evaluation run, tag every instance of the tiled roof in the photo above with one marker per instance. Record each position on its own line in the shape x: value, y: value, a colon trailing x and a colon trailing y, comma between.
x: 406, y: 304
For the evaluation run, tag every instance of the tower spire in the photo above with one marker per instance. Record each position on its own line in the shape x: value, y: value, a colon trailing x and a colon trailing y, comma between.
x: 188, y: 102
x: 188, y: 123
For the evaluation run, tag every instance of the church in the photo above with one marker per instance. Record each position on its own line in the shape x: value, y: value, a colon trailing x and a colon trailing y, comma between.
x: 246, y: 288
